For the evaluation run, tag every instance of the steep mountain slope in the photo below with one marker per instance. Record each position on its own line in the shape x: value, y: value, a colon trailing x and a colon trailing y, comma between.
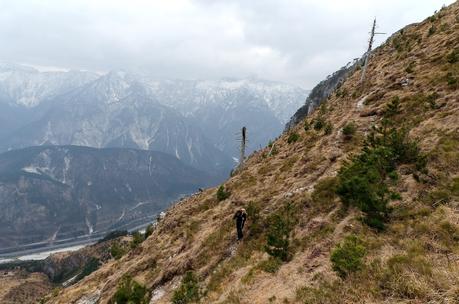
x: 59, y: 192
x: 297, y: 199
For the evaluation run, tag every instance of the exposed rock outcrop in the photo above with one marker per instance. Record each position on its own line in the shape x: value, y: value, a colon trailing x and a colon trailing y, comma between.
x: 323, y: 90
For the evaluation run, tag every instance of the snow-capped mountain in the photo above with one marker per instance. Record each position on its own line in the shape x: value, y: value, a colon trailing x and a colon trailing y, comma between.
x: 190, y: 96
x: 24, y: 91
x: 28, y: 87
x: 116, y: 111
x: 196, y: 121
x: 223, y: 107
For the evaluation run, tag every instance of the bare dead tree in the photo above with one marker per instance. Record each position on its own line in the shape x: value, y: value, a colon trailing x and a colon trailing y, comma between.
x: 368, y: 53
x: 242, y: 149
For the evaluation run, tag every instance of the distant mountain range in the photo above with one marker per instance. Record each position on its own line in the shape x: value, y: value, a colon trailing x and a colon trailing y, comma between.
x: 196, y: 121
x: 58, y: 192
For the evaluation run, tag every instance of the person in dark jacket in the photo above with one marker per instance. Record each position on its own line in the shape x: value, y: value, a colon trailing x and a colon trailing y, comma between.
x: 240, y: 216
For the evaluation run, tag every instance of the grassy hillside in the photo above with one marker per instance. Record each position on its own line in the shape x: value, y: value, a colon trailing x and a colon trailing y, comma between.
x: 358, y: 203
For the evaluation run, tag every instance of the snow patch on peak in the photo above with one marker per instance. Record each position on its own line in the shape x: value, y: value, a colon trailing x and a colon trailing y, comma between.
x: 190, y: 96
x: 31, y: 169
x: 28, y: 87
x: 113, y: 87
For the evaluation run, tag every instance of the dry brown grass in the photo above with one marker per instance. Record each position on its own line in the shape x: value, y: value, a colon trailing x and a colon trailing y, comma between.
x: 19, y: 287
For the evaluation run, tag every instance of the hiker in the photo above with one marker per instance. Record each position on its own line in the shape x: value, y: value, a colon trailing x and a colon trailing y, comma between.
x: 240, y: 218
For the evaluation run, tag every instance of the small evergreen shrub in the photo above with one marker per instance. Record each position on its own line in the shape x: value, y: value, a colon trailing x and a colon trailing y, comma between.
x: 293, y: 137
x: 432, y: 30
x: 349, y: 130
x: 319, y: 124
x: 363, y: 180
x: 451, y: 80
x: 307, y: 125
x: 342, y: 92
x: 137, y: 239
x: 431, y: 100
x: 328, y: 129
x: 130, y: 292
x: 348, y: 256
x: 362, y: 185
x: 222, y: 194
x: 188, y: 292
x: 149, y: 231
x: 397, y: 43
x: 393, y: 175
x: 393, y: 107
x: 410, y: 68
x: 117, y: 251
x: 270, y: 265
x: 280, y: 224
x: 323, y: 108
x: 395, y: 196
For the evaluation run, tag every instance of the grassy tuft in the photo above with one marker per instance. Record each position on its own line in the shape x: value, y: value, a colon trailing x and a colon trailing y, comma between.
x: 293, y: 137
x: 130, y: 292
x: 222, y: 194
x: 348, y: 256
x: 189, y: 291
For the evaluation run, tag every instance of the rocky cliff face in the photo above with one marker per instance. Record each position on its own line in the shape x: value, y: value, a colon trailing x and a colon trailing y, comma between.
x: 305, y: 240
x: 58, y: 192
x: 322, y: 91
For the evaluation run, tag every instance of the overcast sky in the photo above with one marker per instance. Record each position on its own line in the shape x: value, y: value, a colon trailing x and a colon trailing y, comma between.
x: 295, y: 41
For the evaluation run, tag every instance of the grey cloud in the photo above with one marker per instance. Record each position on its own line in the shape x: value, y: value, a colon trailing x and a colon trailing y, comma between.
x: 299, y: 41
